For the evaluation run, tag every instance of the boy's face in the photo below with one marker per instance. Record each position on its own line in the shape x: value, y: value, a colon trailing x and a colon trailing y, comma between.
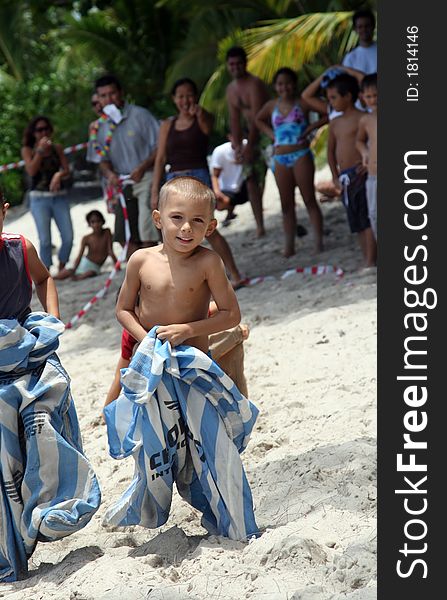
x: 184, y: 222
x: 237, y: 67
x: 3, y: 209
x: 337, y: 101
x: 364, y: 29
x: 370, y: 97
x: 95, y: 223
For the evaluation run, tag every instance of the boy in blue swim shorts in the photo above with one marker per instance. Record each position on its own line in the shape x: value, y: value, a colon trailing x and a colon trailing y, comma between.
x: 345, y: 161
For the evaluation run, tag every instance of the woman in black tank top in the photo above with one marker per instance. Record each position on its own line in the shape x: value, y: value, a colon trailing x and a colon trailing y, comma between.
x: 183, y: 145
x: 47, y: 167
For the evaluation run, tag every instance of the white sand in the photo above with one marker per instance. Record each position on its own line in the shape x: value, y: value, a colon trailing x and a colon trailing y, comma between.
x: 311, y: 370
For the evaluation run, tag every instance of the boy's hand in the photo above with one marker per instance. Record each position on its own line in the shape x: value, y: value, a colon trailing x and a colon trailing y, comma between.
x: 175, y: 334
x: 365, y: 159
x: 338, y: 188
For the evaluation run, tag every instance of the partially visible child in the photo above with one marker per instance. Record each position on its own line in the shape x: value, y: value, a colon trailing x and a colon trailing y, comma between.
x: 99, y: 245
x: 48, y: 488
x: 367, y: 144
x: 20, y: 267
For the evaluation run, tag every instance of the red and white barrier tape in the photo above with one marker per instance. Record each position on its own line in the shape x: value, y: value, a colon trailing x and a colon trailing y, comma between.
x: 73, y: 321
x: 20, y: 163
x: 314, y: 270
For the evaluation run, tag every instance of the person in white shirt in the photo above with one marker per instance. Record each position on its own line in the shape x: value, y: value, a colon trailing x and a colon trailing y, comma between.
x: 227, y: 177
x: 364, y: 56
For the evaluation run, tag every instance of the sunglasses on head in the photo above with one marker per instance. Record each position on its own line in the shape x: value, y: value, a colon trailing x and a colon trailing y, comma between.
x: 40, y: 129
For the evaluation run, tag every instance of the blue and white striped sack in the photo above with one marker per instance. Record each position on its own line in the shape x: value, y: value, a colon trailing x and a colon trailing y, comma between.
x: 184, y: 420
x: 48, y: 488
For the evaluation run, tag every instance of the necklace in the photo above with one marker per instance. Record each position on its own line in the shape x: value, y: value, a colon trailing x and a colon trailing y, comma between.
x: 94, y: 135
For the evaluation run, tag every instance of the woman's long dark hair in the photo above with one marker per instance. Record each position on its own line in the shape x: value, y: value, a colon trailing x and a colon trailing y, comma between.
x: 29, y: 139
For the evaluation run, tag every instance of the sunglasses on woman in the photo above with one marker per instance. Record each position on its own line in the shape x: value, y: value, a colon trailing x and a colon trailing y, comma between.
x: 41, y: 129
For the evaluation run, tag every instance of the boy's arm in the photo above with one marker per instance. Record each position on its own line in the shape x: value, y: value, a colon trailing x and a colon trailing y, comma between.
x: 45, y: 286
x: 125, y: 306
x: 80, y: 253
x: 361, y: 141
x: 331, y: 158
x: 227, y: 315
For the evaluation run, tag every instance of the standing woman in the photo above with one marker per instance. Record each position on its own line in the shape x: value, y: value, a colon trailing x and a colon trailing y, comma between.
x: 285, y: 121
x: 47, y: 166
x: 183, y: 145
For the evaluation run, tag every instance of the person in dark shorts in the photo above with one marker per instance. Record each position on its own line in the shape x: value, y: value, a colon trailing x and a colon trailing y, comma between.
x: 345, y: 161
x: 354, y: 199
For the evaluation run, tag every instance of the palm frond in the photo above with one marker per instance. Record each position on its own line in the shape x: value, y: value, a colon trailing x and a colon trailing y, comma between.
x: 294, y: 42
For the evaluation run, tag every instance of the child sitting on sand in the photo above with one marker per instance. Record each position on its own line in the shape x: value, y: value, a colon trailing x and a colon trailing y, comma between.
x: 99, y: 246
x: 367, y: 144
x: 38, y: 424
x: 180, y: 415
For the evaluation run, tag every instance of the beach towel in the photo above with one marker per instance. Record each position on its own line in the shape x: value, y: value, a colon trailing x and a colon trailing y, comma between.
x: 182, y: 419
x: 47, y: 487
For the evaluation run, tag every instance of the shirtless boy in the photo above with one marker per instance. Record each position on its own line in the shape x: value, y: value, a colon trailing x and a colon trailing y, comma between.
x: 345, y: 161
x: 246, y: 95
x: 367, y: 144
x: 176, y: 279
x: 99, y: 246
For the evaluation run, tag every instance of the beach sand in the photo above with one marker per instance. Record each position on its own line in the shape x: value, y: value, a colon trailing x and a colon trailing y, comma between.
x: 311, y: 462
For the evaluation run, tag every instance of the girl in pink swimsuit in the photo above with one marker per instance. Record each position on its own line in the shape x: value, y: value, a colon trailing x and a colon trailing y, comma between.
x: 285, y: 121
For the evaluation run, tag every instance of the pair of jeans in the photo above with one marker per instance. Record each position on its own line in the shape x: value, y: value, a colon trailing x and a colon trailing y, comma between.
x: 202, y: 174
x: 45, y: 207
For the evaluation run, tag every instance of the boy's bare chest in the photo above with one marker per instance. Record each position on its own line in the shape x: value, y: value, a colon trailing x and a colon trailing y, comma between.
x: 345, y: 129
x: 175, y: 284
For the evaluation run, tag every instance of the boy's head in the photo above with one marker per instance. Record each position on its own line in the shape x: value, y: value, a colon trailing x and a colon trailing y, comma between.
x: 363, y: 23
x: 236, y: 61
x: 3, y: 208
x: 342, y: 91
x: 185, y: 213
x: 368, y: 87
x: 95, y: 219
